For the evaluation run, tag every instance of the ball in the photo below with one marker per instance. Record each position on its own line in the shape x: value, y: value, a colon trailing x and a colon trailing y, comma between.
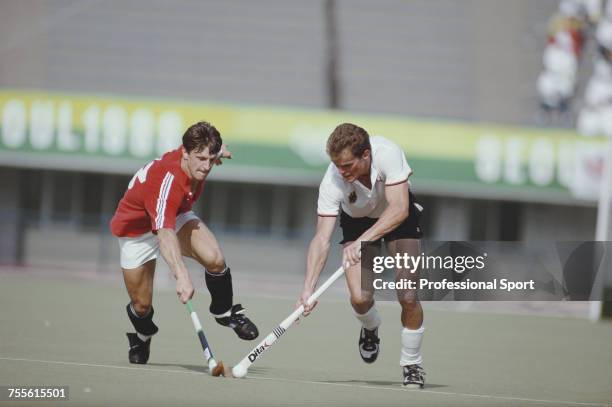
x: 239, y: 371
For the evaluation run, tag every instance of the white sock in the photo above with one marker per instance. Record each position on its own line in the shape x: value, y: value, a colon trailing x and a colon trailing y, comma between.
x: 370, y: 320
x: 411, y: 346
x: 142, y: 337
x: 225, y: 314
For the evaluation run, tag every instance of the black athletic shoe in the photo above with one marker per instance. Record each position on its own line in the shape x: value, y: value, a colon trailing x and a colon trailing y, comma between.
x: 243, y: 326
x: 369, y: 345
x: 414, y: 376
x: 139, y: 350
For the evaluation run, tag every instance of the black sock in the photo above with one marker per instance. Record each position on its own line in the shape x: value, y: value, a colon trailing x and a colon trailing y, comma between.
x: 143, y: 325
x: 220, y: 287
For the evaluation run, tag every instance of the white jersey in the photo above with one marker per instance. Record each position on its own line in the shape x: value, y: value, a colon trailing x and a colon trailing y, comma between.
x: 389, y: 167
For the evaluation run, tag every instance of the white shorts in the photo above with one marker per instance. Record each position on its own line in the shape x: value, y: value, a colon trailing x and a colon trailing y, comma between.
x: 136, y: 251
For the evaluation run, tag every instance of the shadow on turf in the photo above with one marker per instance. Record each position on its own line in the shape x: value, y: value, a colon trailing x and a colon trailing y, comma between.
x: 204, y: 369
x: 194, y: 368
x: 380, y: 383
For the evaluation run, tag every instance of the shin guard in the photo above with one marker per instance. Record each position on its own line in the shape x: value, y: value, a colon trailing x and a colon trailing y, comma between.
x: 220, y: 287
x: 143, y: 325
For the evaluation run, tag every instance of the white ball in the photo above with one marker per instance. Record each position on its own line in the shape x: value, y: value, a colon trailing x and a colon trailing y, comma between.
x: 239, y: 371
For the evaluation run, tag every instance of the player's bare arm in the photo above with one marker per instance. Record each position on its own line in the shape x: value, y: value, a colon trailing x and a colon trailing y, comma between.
x: 171, y: 252
x: 397, y: 211
x: 316, y: 259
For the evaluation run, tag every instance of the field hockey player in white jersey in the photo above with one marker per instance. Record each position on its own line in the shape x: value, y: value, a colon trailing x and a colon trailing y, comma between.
x: 366, y: 185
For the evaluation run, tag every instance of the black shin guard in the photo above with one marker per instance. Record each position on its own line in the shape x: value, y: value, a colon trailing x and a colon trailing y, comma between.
x: 220, y: 287
x: 143, y: 325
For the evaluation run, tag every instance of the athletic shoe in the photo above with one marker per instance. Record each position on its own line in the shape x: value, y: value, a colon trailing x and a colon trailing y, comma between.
x: 369, y: 344
x: 414, y: 376
x: 243, y: 326
x: 139, y: 350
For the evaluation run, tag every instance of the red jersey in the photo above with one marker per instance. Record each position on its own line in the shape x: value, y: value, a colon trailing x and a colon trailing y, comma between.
x: 157, y: 193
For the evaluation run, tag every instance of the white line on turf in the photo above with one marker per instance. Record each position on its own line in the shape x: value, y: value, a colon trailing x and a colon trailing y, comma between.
x: 277, y: 379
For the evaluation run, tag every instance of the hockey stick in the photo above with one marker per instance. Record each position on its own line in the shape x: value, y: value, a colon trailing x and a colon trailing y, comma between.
x: 215, y: 368
x: 241, y: 369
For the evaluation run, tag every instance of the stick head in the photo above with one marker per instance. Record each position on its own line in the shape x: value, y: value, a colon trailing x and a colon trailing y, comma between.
x: 239, y: 371
x: 218, y: 369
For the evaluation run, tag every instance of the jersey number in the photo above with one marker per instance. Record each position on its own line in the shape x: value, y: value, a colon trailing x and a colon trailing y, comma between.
x: 141, y: 174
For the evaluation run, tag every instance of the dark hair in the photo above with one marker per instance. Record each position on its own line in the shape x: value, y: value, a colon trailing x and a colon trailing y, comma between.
x: 202, y: 135
x: 348, y: 135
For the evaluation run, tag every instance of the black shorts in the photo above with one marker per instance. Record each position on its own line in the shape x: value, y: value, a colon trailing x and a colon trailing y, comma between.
x: 352, y: 228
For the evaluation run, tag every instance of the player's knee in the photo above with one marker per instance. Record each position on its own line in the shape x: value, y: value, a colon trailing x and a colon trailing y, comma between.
x: 141, y: 307
x: 216, y: 263
x: 361, y: 301
x: 409, y: 302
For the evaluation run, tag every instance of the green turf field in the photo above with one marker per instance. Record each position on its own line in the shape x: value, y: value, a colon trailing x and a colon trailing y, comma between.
x: 58, y: 331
